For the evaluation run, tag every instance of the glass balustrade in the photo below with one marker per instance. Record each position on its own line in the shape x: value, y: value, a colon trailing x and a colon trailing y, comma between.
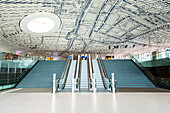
x: 11, y: 70
x: 158, y: 81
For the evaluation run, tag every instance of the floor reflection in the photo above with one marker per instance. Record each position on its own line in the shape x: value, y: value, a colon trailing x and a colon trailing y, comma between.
x: 85, y: 103
x: 53, y: 103
x: 73, y: 103
x: 114, y: 104
x: 94, y: 103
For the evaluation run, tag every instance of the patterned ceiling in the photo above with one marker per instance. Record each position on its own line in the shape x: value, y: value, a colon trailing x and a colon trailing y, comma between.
x: 90, y: 26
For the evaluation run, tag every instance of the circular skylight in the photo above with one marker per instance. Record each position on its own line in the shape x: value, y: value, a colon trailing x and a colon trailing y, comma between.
x: 40, y: 23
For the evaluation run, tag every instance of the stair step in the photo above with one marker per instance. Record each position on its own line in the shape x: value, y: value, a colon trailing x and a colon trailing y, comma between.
x: 127, y: 73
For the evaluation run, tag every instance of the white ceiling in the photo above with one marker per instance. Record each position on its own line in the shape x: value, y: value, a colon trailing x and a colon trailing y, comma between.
x: 90, y: 26
x: 5, y: 46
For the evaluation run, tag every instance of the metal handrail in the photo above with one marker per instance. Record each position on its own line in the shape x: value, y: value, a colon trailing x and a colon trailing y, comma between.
x: 77, y: 73
x: 140, y: 65
x: 104, y: 69
x: 157, y: 81
x: 63, y: 73
x: 151, y: 77
x: 104, y: 76
x: 18, y: 78
x: 77, y: 69
x: 90, y: 67
x: 62, y: 80
x: 23, y: 73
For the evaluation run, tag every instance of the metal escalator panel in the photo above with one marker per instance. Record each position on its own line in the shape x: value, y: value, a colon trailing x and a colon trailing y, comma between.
x: 70, y: 73
x: 99, y: 81
x: 84, y: 75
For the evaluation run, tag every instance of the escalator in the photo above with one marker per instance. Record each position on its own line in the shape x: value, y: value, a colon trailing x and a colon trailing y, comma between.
x: 107, y: 82
x: 84, y: 75
x: 71, y: 72
x: 91, y: 77
x: 98, y: 76
x: 80, y: 72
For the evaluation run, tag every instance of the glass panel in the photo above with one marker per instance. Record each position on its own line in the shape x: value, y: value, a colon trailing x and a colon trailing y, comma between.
x: 7, y: 86
x: 0, y: 66
x: 15, y: 69
x: 18, y: 63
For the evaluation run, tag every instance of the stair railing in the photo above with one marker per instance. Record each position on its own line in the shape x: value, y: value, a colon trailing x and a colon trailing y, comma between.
x: 157, y: 81
x: 106, y: 81
x: 18, y: 79
x: 63, y: 78
x: 149, y: 75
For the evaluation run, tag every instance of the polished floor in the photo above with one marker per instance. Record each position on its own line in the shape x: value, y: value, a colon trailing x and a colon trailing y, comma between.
x: 84, y: 102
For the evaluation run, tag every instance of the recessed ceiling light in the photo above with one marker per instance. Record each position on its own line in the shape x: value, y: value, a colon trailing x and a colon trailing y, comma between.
x: 40, y: 23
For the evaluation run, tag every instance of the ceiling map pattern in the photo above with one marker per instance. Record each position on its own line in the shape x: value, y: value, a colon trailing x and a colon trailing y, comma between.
x: 90, y: 26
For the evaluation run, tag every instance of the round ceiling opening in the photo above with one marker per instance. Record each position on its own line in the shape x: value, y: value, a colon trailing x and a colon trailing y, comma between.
x: 40, y: 23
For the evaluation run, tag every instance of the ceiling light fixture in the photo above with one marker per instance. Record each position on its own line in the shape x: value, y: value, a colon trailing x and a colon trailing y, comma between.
x: 40, y: 23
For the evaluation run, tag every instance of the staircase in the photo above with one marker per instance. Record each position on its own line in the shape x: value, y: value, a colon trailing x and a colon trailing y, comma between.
x: 84, y: 75
x: 99, y: 81
x: 70, y: 73
x: 41, y: 75
x: 127, y: 74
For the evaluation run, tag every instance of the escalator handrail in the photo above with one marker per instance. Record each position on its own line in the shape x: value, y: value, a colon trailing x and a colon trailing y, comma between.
x: 104, y: 77
x: 64, y: 74
x: 103, y: 67
x: 102, y: 73
x: 90, y: 70
x: 77, y: 68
